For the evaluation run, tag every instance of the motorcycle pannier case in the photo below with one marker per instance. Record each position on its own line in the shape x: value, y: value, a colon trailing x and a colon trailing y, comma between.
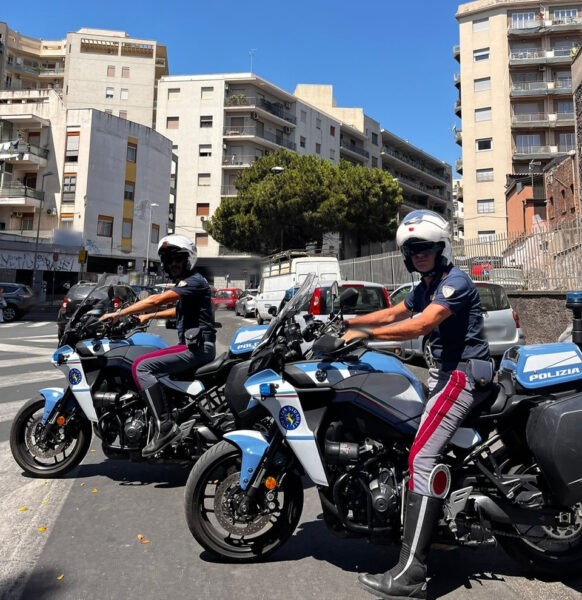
x: 554, y: 434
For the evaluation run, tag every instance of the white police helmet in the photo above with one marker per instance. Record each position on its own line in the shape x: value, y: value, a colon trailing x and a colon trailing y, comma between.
x: 174, y: 244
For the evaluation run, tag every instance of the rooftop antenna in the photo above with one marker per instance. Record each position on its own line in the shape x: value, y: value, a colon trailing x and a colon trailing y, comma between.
x: 252, y: 54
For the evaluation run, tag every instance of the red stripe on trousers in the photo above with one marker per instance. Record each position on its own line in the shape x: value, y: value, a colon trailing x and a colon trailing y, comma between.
x: 447, y: 396
x: 155, y: 354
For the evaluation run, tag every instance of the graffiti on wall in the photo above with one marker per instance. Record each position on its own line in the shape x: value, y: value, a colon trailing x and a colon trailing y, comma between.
x: 44, y: 261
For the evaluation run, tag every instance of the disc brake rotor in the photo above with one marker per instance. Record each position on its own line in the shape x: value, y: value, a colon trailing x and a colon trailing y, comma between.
x: 225, y: 509
x: 567, y: 530
x: 38, y: 451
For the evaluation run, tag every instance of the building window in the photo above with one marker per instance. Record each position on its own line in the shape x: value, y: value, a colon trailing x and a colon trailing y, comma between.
x: 480, y: 25
x: 302, y: 141
x: 172, y: 122
x: 129, y: 191
x: 109, y: 92
x: 105, y: 226
x: 110, y: 71
x: 482, y: 114
x: 66, y: 222
x: 484, y: 144
x: 485, y: 206
x: 484, y: 174
x: 206, y: 93
x: 482, y: 85
x: 26, y: 222
x: 374, y: 162
x: 205, y: 149
x: 202, y: 209
x: 201, y: 239
x: 173, y: 93
x: 125, y: 72
x: 123, y: 114
x: 203, y: 179
x: 72, y: 150
x: 486, y: 236
x: 481, y: 54
x: 523, y: 20
x: 131, y: 152
x: 317, y: 148
x: 206, y: 121
x: 124, y: 94
x: 528, y: 143
x: 126, y: 228
x: 108, y: 111
x: 375, y: 139
x: 303, y: 116
x: 155, y: 234
x: 566, y: 142
x: 317, y: 123
x: 332, y: 131
x: 565, y: 14
x: 69, y: 187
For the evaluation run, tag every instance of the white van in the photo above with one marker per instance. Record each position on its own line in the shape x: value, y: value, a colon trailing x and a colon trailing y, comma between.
x: 287, y: 270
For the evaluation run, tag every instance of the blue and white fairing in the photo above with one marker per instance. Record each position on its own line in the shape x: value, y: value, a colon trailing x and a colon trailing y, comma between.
x: 543, y: 365
x: 245, y: 339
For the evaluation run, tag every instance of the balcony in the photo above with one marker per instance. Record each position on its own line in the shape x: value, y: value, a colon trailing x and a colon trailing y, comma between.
x: 459, y: 137
x: 524, y: 89
x: 535, y: 152
x: 235, y: 132
x: 352, y: 148
x: 237, y: 101
x: 457, y: 80
x: 18, y: 195
x: 23, y: 154
x: 403, y: 160
x: 532, y: 120
x: 228, y: 190
x: 457, y: 52
x: 536, y: 56
x: 458, y: 107
x: 459, y: 166
x: 238, y: 161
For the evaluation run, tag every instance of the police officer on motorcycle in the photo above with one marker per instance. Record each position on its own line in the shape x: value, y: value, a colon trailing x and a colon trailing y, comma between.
x: 193, y: 311
x: 449, y: 309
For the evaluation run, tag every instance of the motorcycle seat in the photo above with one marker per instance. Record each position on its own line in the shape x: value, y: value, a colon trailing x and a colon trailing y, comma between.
x: 206, y: 370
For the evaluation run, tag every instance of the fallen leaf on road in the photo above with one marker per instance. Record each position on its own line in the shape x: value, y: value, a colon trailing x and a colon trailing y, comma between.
x: 94, y: 490
x: 82, y: 484
x: 23, y: 508
x: 142, y: 539
x: 92, y: 450
x: 43, y: 502
x: 60, y: 577
x: 42, y: 529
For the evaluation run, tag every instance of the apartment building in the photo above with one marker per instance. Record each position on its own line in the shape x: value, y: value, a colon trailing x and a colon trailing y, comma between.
x: 220, y: 124
x: 89, y: 68
x: 515, y: 98
x: 73, y: 178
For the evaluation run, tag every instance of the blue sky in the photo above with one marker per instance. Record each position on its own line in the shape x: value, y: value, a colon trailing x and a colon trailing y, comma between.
x: 393, y: 59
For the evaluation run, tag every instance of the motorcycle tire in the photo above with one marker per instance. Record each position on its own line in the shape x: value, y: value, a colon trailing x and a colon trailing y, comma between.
x: 551, y: 552
x: 44, y: 462
x: 212, y: 491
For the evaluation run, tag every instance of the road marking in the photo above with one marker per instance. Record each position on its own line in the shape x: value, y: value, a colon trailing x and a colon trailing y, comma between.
x: 16, y: 349
x: 24, y: 361
x: 8, y: 410
x: 21, y: 542
x: 37, y: 377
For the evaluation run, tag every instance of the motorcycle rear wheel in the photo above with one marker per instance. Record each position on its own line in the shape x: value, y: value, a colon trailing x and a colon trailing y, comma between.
x: 56, y: 457
x: 550, y: 552
x: 212, y: 491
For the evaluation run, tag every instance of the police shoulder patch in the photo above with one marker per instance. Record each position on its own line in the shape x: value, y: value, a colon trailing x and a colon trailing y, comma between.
x: 447, y: 291
x: 182, y: 283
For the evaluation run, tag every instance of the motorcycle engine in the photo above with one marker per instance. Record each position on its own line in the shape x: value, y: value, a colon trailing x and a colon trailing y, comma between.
x: 134, y: 428
x: 384, y: 492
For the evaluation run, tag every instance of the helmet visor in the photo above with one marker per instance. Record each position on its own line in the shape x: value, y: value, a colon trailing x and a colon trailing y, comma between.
x: 413, y: 248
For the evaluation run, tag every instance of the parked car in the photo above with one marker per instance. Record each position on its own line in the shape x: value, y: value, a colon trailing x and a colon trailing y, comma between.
x: 143, y: 291
x: 123, y: 295
x: 226, y: 298
x: 501, y: 322
x: 20, y: 299
x: 246, y: 305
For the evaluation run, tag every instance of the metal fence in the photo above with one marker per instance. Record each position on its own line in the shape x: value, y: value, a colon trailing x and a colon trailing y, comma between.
x: 542, y: 261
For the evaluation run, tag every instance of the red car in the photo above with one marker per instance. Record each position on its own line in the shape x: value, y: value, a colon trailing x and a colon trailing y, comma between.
x: 226, y: 298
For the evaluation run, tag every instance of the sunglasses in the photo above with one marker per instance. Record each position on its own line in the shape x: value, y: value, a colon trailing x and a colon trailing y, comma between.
x: 420, y: 248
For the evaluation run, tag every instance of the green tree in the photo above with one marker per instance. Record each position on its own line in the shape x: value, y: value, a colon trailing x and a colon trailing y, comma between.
x: 287, y: 201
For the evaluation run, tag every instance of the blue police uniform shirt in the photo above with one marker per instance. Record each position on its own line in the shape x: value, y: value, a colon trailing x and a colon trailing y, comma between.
x: 462, y: 335
x: 194, y: 308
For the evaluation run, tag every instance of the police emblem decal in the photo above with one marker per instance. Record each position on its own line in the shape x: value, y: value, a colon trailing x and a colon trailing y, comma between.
x: 75, y: 377
x: 447, y: 291
x: 289, y: 418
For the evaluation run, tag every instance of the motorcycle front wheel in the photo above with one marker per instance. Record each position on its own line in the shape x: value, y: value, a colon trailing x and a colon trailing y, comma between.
x: 54, y: 454
x: 213, y: 495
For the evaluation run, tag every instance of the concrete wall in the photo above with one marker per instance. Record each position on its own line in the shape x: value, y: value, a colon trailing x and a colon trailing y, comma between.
x: 543, y: 317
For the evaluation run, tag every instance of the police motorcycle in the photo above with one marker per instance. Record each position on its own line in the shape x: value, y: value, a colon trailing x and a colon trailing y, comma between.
x: 346, y: 419
x: 51, y: 433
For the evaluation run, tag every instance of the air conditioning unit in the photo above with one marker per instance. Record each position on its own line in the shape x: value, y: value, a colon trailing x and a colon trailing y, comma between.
x: 226, y: 87
x: 18, y: 215
x: 287, y: 105
x: 254, y: 116
x: 286, y: 130
x: 51, y: 211
x: 542, y: 68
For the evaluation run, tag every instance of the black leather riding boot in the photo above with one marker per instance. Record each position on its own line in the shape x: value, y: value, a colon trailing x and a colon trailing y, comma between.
x: 408, y: 578
x: 165, y: 429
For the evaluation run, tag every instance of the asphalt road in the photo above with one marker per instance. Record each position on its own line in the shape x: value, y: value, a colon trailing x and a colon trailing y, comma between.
x: 77, y: 538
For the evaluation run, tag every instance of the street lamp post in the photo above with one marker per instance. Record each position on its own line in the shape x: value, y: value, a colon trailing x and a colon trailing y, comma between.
x: 34, y: 269
x: 149, y: 241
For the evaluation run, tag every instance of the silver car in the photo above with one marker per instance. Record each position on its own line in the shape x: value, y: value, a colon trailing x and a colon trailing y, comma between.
x: 246, y: 305
x: 501, y: 322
